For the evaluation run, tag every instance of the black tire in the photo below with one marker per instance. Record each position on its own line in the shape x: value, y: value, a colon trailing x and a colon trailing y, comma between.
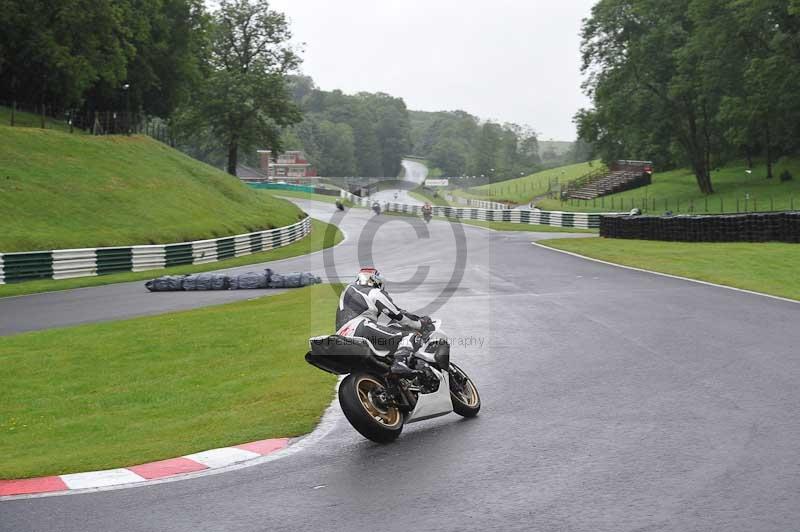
x: 353, y: 394
x: 467, y: 400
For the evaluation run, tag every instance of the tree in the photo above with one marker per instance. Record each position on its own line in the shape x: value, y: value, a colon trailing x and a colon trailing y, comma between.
x: 171, y: 43
x: 768, y: 100
x: 450, y: 155
x: 244, y: 100
x: 54, y: 51
x: 489, y: 141
x: 337, y: 157
x: 645, y: 77
x: 392, y: 130
x: 692, y: 81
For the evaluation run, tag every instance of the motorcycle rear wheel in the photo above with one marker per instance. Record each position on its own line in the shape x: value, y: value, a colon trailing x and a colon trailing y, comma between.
x: 359, y: 396
x: 466, y: 400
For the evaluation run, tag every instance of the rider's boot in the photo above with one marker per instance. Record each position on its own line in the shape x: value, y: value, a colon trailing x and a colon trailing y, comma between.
x: 400, y: 367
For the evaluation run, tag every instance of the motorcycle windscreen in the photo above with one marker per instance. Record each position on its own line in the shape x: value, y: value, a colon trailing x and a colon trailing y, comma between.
x: 340, y: 355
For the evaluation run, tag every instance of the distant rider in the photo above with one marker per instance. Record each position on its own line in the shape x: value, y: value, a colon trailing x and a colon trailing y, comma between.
x: 363, y: 303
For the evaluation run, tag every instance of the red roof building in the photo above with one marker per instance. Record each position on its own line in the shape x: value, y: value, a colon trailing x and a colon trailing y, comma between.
x: 288, y: 165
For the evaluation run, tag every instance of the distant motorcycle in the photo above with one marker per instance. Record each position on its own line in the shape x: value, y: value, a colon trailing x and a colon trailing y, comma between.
x: 378, y: 404
x: 376, y: 207
x: 427, y: 213
x: 339, y: 205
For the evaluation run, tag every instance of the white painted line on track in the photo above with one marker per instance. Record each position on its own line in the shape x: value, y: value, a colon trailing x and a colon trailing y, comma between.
x: 698, y: 281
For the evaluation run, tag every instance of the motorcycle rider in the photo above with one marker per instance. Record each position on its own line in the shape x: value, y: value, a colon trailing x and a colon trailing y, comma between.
x: 427, y: 210
x: 363, y: 303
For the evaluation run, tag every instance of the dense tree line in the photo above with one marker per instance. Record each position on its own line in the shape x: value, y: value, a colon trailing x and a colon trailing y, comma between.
x: 349, y: 135
x: 695, y: 82
x: 219, y: 78
x: 81, y: 53
x: 458, y: 143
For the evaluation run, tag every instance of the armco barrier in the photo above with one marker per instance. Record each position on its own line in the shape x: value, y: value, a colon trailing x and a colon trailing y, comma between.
x: 580, y: 220
x: 70, y: 263
x: 480, y: 204
x: 282, y: 186
x: 754, y: 227
x: 295, y: 188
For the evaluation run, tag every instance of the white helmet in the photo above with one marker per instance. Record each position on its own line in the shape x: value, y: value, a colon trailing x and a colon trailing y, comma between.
x: 369, y: 277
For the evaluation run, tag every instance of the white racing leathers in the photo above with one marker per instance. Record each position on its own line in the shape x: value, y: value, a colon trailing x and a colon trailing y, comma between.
x: 366, y: 312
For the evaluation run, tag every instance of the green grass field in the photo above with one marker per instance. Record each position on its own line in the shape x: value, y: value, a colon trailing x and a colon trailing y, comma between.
x: 302, y: 195
x: 769, y: 267
x: 118, y: 394
x: 322, y: 236
x: 677, y: 191
x: 66, y: 191
x: 523, y: 189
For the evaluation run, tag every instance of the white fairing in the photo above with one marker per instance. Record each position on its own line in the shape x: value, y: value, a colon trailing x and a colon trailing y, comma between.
x: 433, y: 404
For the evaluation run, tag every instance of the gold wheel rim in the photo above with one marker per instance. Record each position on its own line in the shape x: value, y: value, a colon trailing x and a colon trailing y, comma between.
x: 389, y: 417
x: 469, y: 395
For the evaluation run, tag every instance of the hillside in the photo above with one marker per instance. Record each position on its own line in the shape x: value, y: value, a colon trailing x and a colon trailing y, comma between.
x: 523, y: 189
x: 735, y: 190
x: 59, y: 190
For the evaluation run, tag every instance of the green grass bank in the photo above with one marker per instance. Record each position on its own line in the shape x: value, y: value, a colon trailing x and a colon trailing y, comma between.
x: 523, y: 189
x: 735, y: 190
x: 61, y: 190
x: 769, y: 267
x: 122, y: 393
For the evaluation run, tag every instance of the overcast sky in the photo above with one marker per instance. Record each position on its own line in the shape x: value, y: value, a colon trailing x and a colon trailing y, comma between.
x: 508, y: 60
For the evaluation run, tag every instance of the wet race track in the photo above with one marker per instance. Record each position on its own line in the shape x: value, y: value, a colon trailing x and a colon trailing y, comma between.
x: 612, y: 400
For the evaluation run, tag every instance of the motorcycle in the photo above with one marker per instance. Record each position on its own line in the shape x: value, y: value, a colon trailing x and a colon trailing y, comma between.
x: 339, y: 205
x: 376, y: 207
x: 376, y: 403
x: 427, y: 215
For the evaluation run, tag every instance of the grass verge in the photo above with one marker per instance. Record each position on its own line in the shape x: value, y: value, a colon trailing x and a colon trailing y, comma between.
x: 508, y: 226
x: 322, y: 236
x: 734, y: 190
x: 769, y: 267
x: 118, y: 394
x: 308, y: 196
x: 423, y: 195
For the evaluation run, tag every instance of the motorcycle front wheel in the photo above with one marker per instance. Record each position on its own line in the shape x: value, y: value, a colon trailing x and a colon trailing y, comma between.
x: 464, y: 393
x: 363, y: 398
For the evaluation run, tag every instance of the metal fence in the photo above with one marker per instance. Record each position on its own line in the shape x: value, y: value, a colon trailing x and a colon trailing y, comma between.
x: 707, y: 205
x: 95, y: 122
